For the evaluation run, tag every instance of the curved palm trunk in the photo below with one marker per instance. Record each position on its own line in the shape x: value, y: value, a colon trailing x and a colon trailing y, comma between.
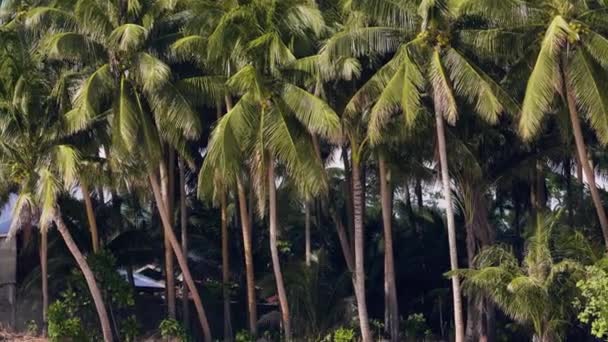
x: 248, y: 251
x: 307, y: 231
x: 366, y: 333
x: 447, y: 195
x: 389, y: 262
x: 581, y: 150
x: 86, y: 195
x: 44, y: 238
x: 181, y: 259
x: 225, y: 268
x: 274, y: 251
x: 88, y: 276
x: 183, y: 211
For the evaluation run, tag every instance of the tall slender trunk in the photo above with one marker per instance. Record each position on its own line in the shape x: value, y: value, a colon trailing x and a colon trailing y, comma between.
x: 569, y: 198
x: 248, y: 251
x: 225, y: 247
x: 344, y: 244
x: 86, y: 195
x: 181, y: 259
x: 88, y: 276
x: 359, y: 233
x: 447, y: 196
x: 389, y: 262
x: 225, y: 268
x: 44, y: 261
x: 169, y: 261
x: 183, y: 212
x: 582, y: 155
x: 274, y: 251
x: 307, y: 231
x: 348, y: 195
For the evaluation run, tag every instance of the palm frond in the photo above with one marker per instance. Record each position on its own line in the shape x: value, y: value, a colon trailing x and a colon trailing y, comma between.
x: 588, y: 83
x: 545, y: 78
x: 443, y: 97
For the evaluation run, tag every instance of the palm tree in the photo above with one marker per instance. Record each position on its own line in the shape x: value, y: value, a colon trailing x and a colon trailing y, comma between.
x: 35, y: 156
x: 115, y: 41
x: 568, y: 60
x: 433, y: 63
x: 540, y: 291
x: 271, y: 120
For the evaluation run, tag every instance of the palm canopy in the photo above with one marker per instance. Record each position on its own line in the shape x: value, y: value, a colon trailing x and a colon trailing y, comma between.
x: 126, y: 82
x: 433, y: 63
x: 565, y: 40
x: 273, y: 117
x: 540, y: 290
x: 35, y: 155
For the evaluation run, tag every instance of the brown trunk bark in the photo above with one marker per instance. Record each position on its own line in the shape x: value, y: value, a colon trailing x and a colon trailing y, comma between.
x: 348, y: 196
x: 248, y: 251
x: 359, y: 233
x: 225, y: 269
x: 447, y: 195
x: 183, y: 212
x: 181, y: 259
x: 44, y: 238
x: 86, y: 195
x: 582, y: 155
x: 307, y: 231
x: 274, y: 251
x: 344, y: 244
x: 169, y: 261
x: 389, y: 271
x: 88, y: 276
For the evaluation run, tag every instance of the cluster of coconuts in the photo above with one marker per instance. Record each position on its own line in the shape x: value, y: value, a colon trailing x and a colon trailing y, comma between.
x: 579, y: 29
x: 438, y: 38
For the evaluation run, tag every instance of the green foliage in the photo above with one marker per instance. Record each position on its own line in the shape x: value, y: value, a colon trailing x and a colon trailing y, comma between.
x: 64, y: 323
x: 244, y: 336
x: 129, y: 329
x: 341, y: 334
x: 172, y: 329
x: 415, y: 325
x: 117, y: 289
x: 32, y: 327
x: 594, y: 302
x: 344, y: 335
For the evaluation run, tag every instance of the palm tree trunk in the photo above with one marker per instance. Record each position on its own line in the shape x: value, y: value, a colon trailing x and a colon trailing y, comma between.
x: 86, y: 195
x: 344, y: 244
x: 389, y: 271
x: 274, y: 251
x: 348, y: 192
x: 225, y: 268
x: 181, y: 259
x: 88, y: 276
x: 307, y: 230
x: 169, y: 262
x: 582, y: 155
x: 183, y: 211
x: 447, y: 196
x: 366, y: 333
x: 44, y: 238
x: 248, y: 251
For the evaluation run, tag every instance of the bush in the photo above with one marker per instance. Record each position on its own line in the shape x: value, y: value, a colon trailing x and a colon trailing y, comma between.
x: 244, y: 336
x: 64, y: 324
x: 172, y: 329
x: 415, y: 325
x: 594, y: 303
